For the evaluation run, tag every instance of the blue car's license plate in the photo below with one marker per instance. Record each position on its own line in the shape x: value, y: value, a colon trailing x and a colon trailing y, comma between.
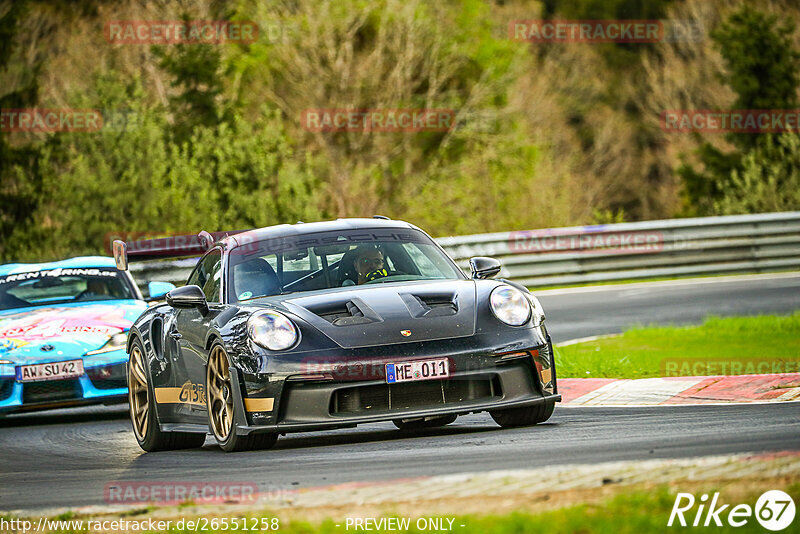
x: 49, y: 371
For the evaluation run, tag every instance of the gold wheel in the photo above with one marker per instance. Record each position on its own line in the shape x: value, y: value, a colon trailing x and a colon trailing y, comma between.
x: 220, y: 396
x: 137, y: 393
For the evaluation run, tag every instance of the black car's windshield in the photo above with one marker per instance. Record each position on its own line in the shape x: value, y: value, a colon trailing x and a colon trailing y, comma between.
x: 60, y: 286
x: 335, y: 259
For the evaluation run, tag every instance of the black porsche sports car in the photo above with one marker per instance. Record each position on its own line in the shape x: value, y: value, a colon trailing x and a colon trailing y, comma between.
x: 327, y: 325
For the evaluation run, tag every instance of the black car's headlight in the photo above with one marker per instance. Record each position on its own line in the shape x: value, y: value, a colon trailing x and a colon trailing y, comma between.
x: 510, y: 305
x: 272, y: 330
x: 115, y: 342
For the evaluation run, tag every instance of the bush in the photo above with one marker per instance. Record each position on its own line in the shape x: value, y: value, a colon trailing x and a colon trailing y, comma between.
x: 769, y: 179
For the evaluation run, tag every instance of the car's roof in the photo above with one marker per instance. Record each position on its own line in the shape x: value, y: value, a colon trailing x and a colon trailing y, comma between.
x: 287, y: 230
x: 81, y: 262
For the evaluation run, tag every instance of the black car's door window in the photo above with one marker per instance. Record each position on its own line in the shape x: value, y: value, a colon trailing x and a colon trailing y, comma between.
x: 208, y: 275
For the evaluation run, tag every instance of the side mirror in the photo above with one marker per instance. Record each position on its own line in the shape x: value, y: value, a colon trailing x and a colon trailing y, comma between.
x: 483, y: 267
x: 156, y: 290
x: 188, y: 297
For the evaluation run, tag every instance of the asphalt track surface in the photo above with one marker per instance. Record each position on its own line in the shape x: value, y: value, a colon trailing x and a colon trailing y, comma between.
x: 65, y: 458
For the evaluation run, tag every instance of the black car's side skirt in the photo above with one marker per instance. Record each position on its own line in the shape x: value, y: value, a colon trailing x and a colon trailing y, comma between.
x: 184, y: 427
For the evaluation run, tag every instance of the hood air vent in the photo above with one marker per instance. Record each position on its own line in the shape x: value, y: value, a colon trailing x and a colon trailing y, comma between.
x: 431, y: 305
x: 347, y: 313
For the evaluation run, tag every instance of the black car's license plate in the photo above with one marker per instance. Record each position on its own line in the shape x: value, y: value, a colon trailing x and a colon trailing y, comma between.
x: 437, y: 368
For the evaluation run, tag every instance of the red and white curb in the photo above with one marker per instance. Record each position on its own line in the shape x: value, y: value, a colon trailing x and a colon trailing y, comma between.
x: 679, y: 390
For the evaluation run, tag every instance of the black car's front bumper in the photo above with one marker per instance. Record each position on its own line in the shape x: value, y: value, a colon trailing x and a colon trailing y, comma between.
x: 483, y: 380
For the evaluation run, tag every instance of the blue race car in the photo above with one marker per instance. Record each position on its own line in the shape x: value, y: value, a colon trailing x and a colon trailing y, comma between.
x: 63, y: 327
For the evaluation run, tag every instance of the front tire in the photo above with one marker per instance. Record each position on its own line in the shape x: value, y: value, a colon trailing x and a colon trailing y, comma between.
x: 525, y: 416
x: 142, y: 410
x: 221, y: 409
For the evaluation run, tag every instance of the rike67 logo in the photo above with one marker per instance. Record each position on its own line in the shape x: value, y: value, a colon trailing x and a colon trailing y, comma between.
x: 774, y: 510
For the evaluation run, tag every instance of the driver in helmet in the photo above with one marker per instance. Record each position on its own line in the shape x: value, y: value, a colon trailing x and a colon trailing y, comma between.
x: 369, y: 264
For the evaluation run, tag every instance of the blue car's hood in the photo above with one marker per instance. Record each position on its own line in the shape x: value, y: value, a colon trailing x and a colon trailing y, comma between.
x: 51, y: 333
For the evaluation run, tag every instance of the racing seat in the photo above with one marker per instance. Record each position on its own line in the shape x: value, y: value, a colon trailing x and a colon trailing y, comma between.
x: 256, y: 277
x: 347, y: 269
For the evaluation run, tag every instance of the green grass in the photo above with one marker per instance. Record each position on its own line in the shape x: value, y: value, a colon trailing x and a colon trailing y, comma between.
x: 738, y: 345
x: 637, y: 512
x: 629, y: 512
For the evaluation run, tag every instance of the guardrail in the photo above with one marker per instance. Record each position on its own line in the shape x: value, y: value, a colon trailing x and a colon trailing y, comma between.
x: 176, y: 272
x: 602, y: 253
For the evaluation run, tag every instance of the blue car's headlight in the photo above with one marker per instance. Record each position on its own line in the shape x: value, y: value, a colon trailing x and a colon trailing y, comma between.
x: 272, y: 330
x: 115, y: 342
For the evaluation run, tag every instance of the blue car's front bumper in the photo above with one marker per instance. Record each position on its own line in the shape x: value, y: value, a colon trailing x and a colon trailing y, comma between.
x: 104, y: 380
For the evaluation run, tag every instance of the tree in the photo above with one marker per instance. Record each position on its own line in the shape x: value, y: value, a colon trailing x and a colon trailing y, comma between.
x: 761, y: 67
x: 130, y: 178
x: 20, y: 181
x: 195, y: 71
x: 761, y: 60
